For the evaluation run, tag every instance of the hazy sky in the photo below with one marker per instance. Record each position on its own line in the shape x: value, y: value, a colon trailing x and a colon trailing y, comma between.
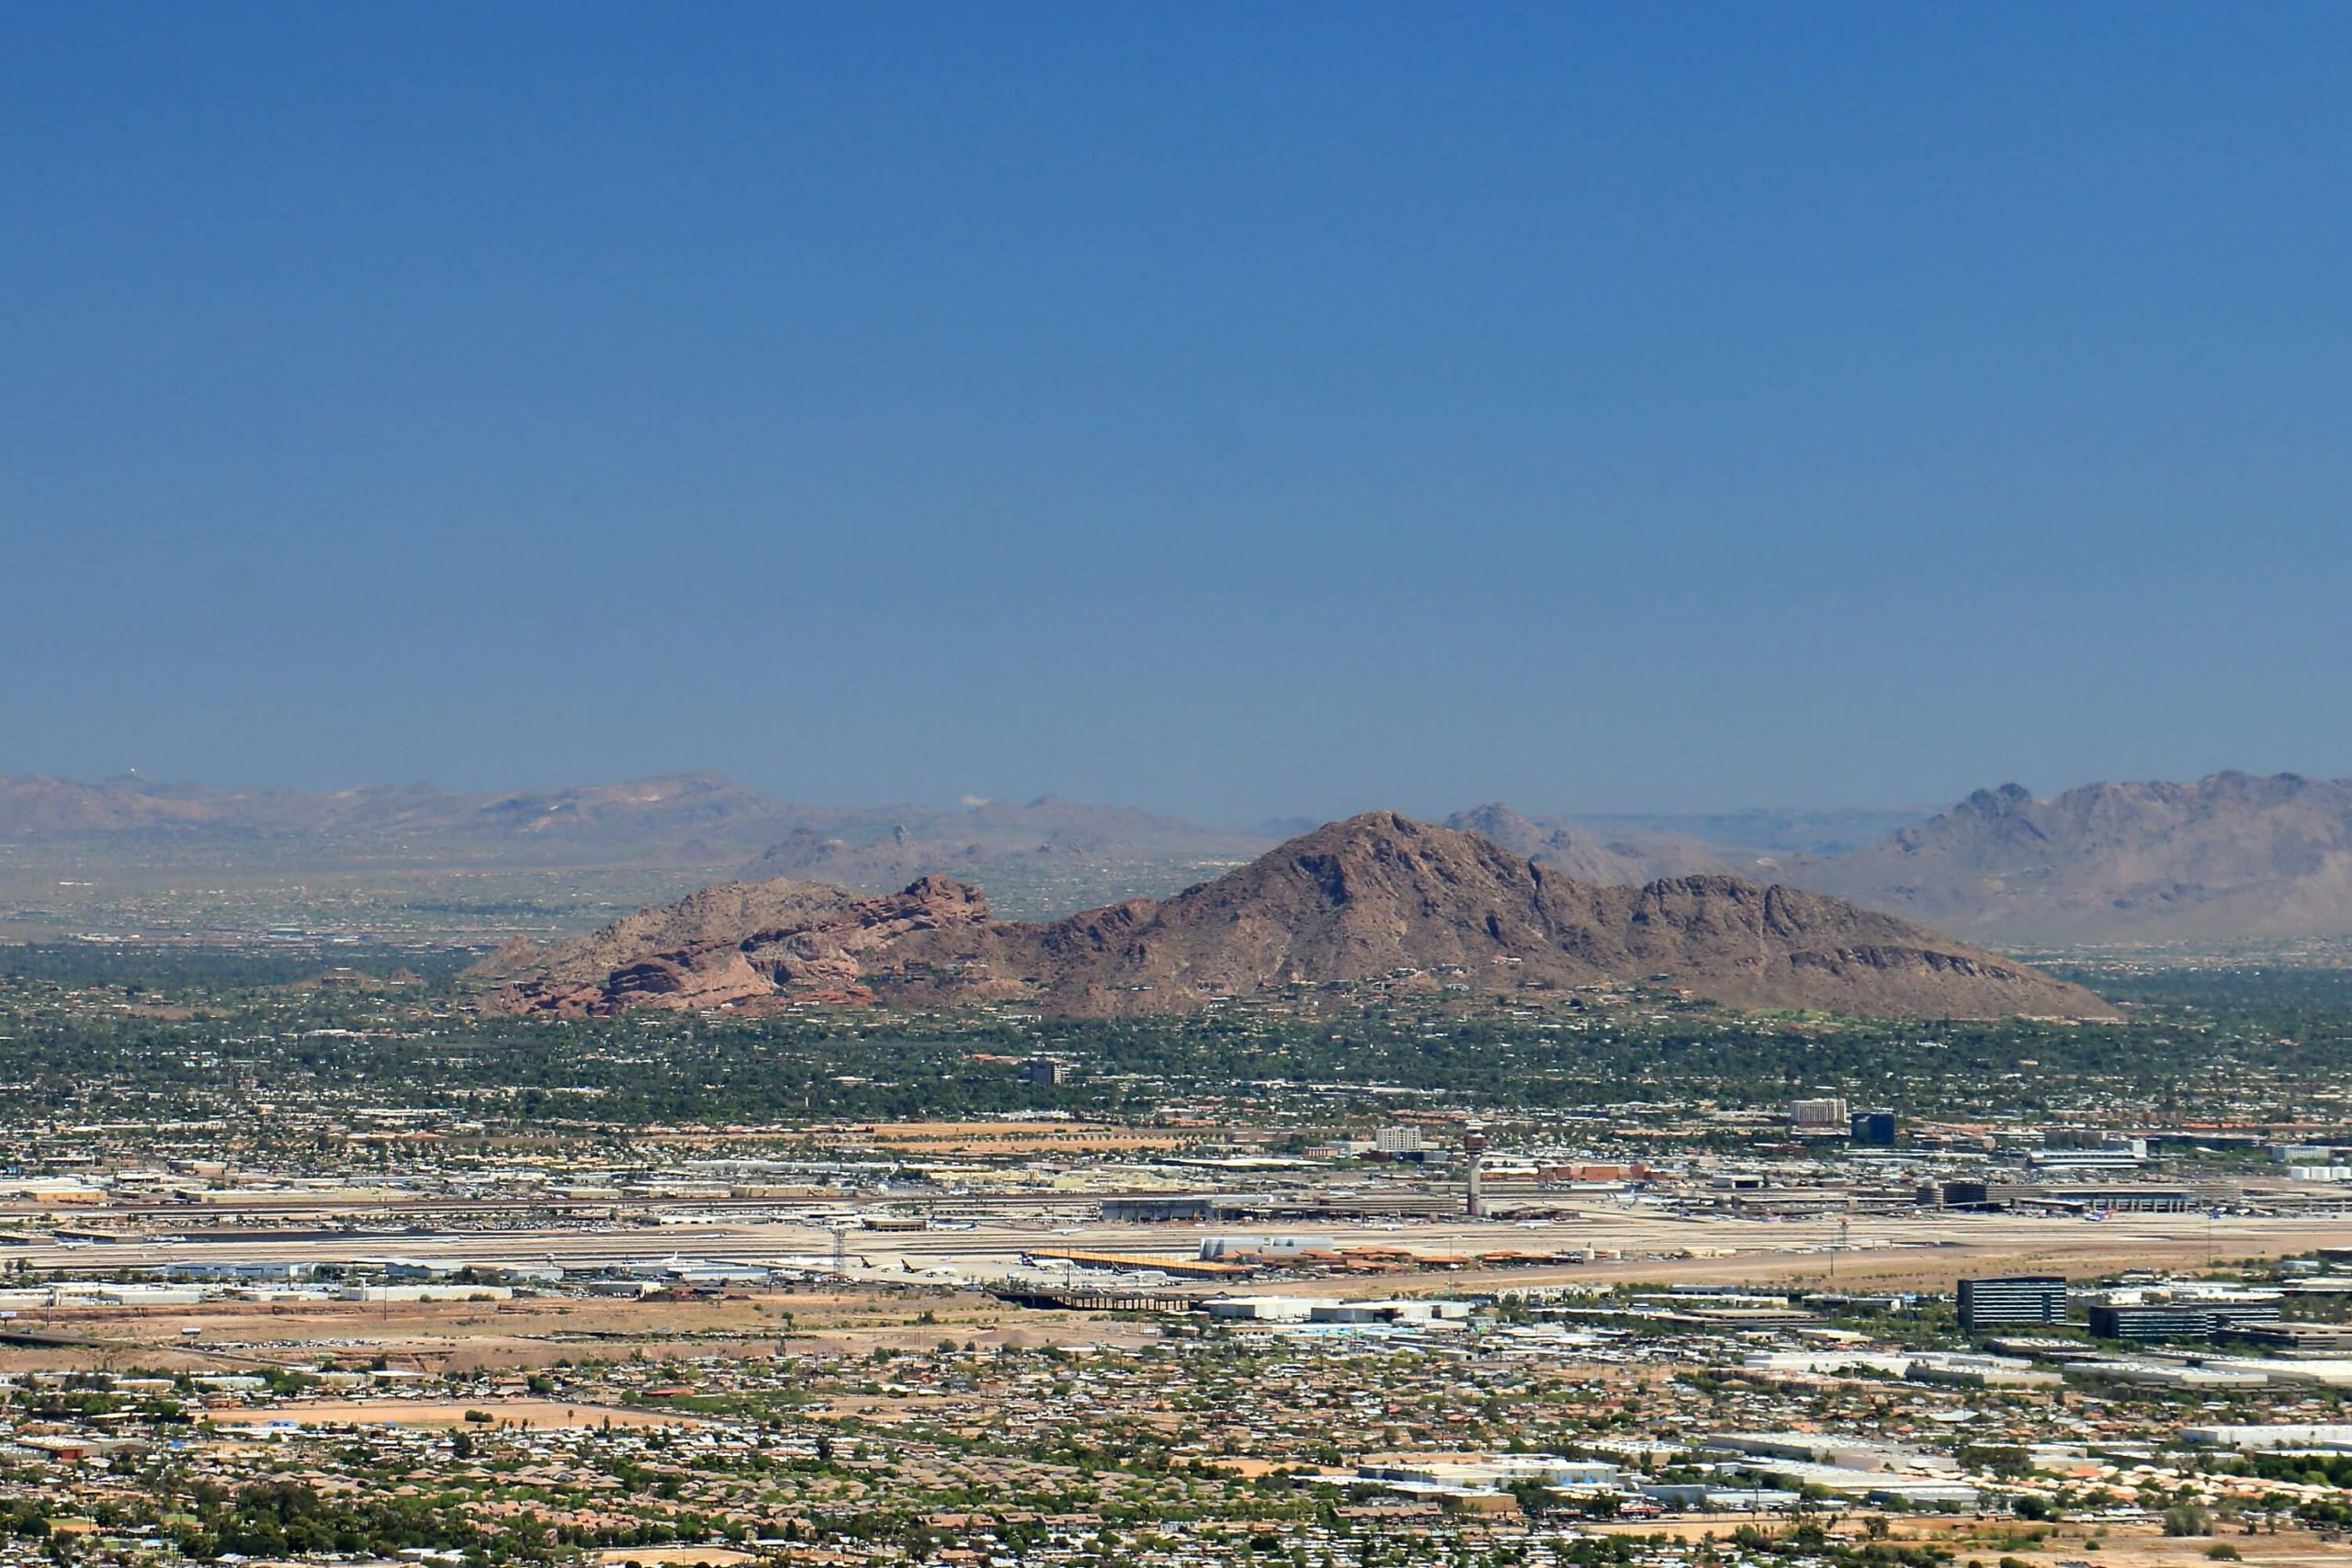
x: 1230, y: 410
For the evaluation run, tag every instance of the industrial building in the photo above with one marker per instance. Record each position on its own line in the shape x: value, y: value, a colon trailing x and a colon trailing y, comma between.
x: 1489, y: 1475
x: 1234, y: 1247
x: 2257, y: 1438
x: 1870, y: 1468
x: 2117, y: 1155
x: 1330, y: 1309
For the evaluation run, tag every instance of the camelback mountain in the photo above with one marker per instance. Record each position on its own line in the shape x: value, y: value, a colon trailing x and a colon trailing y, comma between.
x: 1378, y: 897
x: 2229, y: 856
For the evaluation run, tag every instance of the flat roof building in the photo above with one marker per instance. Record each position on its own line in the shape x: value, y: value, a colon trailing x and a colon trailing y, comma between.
x: 2178, y: 1320
x: 2012, y: 1298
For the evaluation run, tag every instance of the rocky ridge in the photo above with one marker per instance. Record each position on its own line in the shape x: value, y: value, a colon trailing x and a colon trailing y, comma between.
x: 743, y: 944
x: 1378, y: 897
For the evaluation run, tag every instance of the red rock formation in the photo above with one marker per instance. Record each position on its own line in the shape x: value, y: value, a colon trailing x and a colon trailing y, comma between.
x: 1378, y: 897
x: 802, y: 940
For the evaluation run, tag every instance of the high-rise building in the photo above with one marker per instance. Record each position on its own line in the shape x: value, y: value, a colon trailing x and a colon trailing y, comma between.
x: 1874, y: 1128
x: 1397, y: 1141
x: 2016, y: 1297
x: 1825, y: 1113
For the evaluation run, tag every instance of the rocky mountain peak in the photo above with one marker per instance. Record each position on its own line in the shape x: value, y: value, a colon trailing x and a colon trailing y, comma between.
x: 1379, y: 899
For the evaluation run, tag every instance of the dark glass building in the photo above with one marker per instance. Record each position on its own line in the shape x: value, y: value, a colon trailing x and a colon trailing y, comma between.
x: 1875, y: 1128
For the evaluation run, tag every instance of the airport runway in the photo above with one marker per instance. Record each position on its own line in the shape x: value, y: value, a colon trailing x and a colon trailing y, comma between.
x: 1650, y: 1246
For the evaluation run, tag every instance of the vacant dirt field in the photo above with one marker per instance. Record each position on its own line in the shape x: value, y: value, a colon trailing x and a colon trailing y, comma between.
x: 539, y: 1413
x: 2106, y: 1546
x: 441, y: 1336
x: 1028, y: 1137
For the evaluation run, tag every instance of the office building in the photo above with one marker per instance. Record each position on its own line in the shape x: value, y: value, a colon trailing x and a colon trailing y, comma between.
x: 2016, y: 1297
x: 2179, y: 1320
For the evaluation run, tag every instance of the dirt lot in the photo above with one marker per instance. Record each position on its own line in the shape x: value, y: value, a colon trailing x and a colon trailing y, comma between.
x: 1028, y: 1137
x: 2106, y: 1546
x: 439, y: 1337
x: 1925, y: 1253
x: 537, y: 1413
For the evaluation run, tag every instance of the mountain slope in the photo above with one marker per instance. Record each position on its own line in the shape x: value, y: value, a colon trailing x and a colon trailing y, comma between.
x: 36, y: 806
x: 727, y: 946
x: 2228, y: 857
x: 1376, y: 898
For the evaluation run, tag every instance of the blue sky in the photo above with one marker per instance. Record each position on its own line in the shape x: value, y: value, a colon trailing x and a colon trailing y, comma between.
x: 1233, y: 409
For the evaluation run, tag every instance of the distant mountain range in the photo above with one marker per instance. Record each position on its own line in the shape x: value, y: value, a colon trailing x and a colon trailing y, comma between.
x: 2231, y: 857
x: 1582, y: 853
x: 888, y: 849
x: 698, y: 817
x: 2227, y: 858
x: 596, y: 819
x: 1764, y: 830
x: 1379, y: 897
x: 676, y: 811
